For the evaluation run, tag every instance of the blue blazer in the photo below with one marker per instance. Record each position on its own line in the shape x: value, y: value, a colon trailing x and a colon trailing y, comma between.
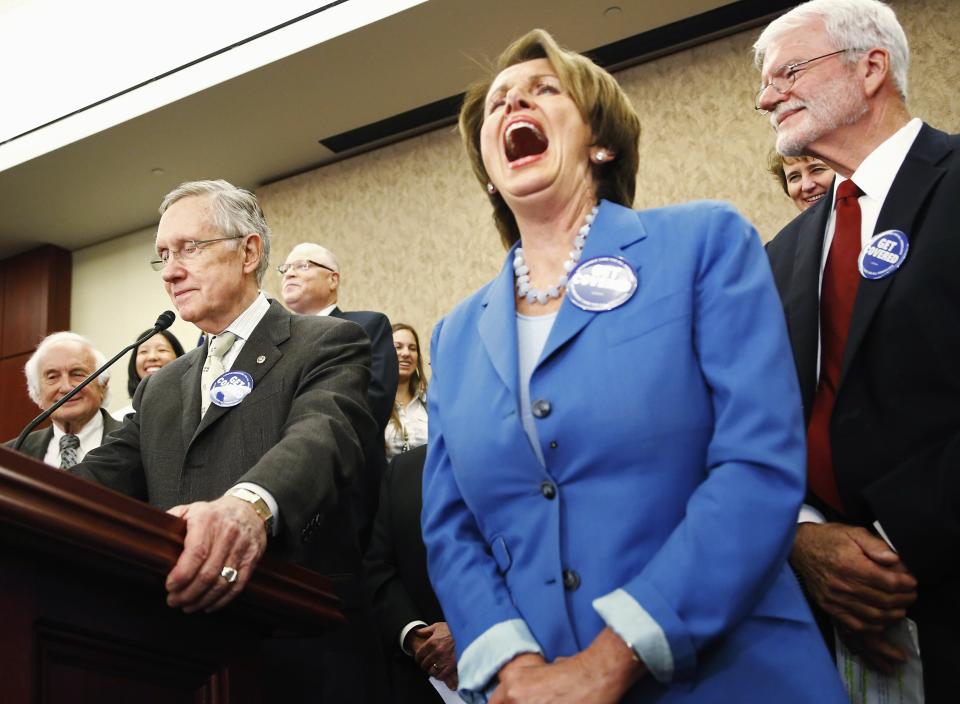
x: 674, y: 447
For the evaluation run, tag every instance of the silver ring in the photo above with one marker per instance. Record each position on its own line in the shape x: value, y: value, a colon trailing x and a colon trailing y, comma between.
x: 229, y: 574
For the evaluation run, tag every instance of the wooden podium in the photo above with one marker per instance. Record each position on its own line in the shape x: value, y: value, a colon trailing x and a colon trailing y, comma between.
x: 83, y: 615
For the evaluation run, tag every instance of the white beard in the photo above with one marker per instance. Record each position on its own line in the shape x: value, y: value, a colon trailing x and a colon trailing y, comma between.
x: 836, y: 105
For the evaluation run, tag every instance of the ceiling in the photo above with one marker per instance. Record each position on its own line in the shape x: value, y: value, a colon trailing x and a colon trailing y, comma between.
x: 369, y: 87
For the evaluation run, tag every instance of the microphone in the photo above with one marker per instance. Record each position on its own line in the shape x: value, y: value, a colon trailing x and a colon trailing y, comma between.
x: 164, y: 320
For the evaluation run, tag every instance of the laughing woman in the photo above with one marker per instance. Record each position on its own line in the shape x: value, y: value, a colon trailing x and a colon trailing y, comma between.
x: 616, y: 452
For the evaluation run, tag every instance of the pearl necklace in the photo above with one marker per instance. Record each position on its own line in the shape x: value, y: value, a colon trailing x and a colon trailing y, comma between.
x: 522, y: 272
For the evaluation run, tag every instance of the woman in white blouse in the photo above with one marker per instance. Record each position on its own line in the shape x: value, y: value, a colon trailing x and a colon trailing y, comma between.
x: 408, y: 421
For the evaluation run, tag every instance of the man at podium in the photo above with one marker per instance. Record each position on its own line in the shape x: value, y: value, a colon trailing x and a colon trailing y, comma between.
x: 253, y: 438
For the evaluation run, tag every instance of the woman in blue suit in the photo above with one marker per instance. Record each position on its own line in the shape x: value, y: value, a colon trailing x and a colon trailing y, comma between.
x: 616, y: 453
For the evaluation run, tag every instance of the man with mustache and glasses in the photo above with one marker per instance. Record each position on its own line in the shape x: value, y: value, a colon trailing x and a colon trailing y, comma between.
x: 868, y: 280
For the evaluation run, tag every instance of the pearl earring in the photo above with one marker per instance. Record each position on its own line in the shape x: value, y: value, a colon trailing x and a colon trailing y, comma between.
x: 491, y: 189
x: 600, y: 156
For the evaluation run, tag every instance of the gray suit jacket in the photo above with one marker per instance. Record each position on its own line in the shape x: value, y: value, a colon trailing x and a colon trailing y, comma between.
x: 299, y: 434
x: 36, y: 443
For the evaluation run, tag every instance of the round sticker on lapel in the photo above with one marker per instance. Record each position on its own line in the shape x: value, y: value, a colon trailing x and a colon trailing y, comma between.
x: 601, y: 284
x: 230, y: 388
x: 883, y: 255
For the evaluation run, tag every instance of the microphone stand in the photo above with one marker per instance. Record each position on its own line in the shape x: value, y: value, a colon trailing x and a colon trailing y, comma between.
x: 163, y: 322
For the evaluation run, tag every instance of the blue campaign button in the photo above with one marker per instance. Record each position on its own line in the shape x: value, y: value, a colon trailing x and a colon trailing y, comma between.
x: 883, y: 255
x: 602, y: 283
x: 230, y: 388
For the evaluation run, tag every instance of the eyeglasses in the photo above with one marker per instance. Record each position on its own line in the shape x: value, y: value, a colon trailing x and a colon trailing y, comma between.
x: 783, y: 80
x: 302, y: 265
x: 190, y: 250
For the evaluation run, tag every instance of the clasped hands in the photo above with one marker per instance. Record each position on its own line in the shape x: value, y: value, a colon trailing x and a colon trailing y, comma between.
x: 434, y: 652
x: 221, y: 533
x: 857, y: 579
x: 601, y: 674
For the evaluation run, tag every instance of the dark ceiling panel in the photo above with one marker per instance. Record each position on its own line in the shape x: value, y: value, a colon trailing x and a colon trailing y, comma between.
x: 627, y: 52
x: 406, y: 123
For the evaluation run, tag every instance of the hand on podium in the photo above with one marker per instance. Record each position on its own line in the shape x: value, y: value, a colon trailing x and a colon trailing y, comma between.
x: 225, y: 541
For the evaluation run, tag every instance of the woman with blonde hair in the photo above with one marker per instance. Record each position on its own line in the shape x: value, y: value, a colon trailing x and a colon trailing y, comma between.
x: 805, y: 179
x: 407, y: 427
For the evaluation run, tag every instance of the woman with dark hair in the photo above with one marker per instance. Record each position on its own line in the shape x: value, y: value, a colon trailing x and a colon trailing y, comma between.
x: 147, y: 358
x: 407, y: 427
x: 616, y: 455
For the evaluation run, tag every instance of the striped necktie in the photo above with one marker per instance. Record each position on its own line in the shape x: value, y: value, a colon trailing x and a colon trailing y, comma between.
x: 69, y: 446
x: 213, y: 367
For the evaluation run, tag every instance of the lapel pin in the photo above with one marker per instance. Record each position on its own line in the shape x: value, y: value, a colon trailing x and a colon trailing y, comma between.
x: 261, y: 359
x: 230, y: 388
x: 883, y: 255
x: 602, y: 284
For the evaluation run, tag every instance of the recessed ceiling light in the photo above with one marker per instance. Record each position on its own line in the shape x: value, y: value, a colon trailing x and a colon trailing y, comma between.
x: 612, y: 11
x: 157, y: 172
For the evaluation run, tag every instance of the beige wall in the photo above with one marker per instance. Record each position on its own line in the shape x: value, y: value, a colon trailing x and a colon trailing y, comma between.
x: 412, y: 228
x: 116, y: 296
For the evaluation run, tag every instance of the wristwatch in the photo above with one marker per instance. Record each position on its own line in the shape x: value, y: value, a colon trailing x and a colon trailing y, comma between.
x: 259, y: 505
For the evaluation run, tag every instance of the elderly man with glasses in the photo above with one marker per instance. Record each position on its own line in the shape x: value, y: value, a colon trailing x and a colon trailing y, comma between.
x: 311, y: 282
x: 255, y: 438
x: 869, y: 283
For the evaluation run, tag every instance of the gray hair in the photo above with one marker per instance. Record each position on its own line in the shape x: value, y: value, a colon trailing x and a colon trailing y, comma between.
x: 850, y: 24
x: 236, y: 212
x: 32, y: 368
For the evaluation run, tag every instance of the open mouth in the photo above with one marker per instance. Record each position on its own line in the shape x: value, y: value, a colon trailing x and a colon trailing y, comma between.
x: 522, y: 140
x: 814, y: 199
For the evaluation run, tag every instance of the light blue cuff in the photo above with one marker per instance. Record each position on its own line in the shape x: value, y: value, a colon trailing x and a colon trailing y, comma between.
x: 636, y: 627
x: 483, y: 658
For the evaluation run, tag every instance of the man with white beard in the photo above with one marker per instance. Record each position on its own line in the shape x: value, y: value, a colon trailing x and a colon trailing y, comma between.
x: 869, y: 283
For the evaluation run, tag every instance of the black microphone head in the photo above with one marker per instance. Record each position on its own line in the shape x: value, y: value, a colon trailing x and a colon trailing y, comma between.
x: 164, y: 321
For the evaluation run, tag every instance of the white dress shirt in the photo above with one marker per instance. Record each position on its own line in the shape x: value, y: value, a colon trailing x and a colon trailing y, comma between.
x: 875, y: 176
x: 412, y: 431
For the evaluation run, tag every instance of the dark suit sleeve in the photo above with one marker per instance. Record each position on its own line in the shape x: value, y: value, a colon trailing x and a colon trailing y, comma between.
x: 915, y: 505
x: 383, y: 383
x: 320, y: 451
x: 116, y: 463
x: 35, y: 444
x: 393, y: 605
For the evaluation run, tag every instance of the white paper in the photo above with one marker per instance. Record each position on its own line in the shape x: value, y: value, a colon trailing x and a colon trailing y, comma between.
x: 866, y: 686
x: 447, y: 694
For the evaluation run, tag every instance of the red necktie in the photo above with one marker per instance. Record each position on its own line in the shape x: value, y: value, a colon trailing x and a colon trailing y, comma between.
x: 837, y: 295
